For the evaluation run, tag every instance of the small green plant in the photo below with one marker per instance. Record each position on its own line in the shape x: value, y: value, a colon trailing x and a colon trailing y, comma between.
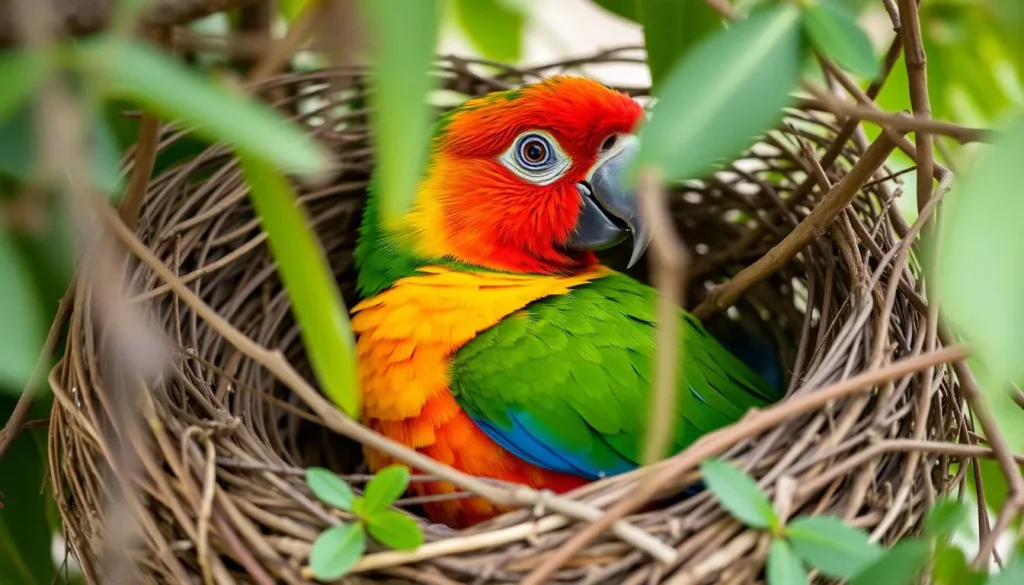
x: 840, y: 551
x: 338, y: 548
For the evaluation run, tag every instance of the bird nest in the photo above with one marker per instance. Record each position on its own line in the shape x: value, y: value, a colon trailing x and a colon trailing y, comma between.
x: 207, y: 485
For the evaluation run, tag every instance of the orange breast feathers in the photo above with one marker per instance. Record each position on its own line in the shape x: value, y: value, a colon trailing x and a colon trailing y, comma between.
x: 406, y: 337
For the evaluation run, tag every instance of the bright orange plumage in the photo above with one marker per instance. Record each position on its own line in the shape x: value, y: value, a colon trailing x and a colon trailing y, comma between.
x: 407, y: 334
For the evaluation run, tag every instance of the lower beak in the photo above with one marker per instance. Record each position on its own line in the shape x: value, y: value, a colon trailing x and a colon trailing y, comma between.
x: 610, y: 211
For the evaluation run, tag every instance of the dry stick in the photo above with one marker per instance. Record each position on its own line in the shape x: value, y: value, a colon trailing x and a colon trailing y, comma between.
x: 755, y: 422
x: 824, y: 100
x: 917, y: 75
x: 275, y: 363
x: 668, y: 261
x: 813, y: 226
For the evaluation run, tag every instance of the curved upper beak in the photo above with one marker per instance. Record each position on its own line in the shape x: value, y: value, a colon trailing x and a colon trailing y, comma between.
x: 610, y: 211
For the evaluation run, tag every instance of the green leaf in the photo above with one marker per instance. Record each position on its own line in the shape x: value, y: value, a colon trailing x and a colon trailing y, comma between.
x: 738, y: 493
x: 385, y: 487
x: 25, y: 534
x: 898, y: 565
x: 22, y: 72
x: 404, y: 34
x: 672, y: 28
x: 316, y: 300
x: 21, y: 313
x: 834, y: 31
x: 494, y: 27
x: 727, y: 91
x: 1012, y: 573
x: 289, y: 9
x: 330, y: 488
x: 945, y: 517
x: 982, y: 290
x: 625, y: 8
x: 143, y: 74
x: 831, y: 546
x: 395, y: 529
x: 950, y: 567
x: 337, y: 550
x: 784, y: 568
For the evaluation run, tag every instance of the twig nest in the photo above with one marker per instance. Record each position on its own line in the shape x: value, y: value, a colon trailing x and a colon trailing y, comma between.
x: 207, y: 484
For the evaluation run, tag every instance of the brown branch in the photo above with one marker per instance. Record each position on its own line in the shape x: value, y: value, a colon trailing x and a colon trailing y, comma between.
x: 82, y: 17
x: 827, y: 101
x: 810, y: 228
x: 917, y: 74
x: 755, y: 422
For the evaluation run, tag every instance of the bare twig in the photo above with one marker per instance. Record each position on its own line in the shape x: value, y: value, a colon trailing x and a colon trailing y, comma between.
x: 917, y: 74
x: 810, y: 228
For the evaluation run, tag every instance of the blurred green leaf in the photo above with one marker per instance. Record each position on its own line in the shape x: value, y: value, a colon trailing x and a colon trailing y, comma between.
x: 336, y: 551
x: 833, y: 29
x: 899, y: 565
x: 21, y: 313
x: 832, y: 546
x: 316, y: 300
x: 981, y: 289
x: 395, y: 530
x: 950, y: 567
x: 405, y: 34
x: 784, y: 568
x: 289, y: 9
x: 330, y: 488
x: 25, y: 535
x: 143, y: 74
x: 738, y: 493
x: 625, y: 8
x: 1012, y: 573
x: 727, y: 91
x: 22, y: 72
x: 493, y: 26
x: 945, y: 517
x: 385, y: 487
x: 673, y: 28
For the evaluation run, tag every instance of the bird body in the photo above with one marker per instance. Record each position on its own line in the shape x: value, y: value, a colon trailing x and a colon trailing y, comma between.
x: 491, y: 339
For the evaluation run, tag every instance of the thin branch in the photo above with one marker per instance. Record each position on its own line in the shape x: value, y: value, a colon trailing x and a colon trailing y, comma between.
x: 917, y: 75
x: 810, y: 228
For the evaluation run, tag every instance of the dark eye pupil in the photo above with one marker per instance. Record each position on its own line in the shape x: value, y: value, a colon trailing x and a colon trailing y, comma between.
x: 535, y: 151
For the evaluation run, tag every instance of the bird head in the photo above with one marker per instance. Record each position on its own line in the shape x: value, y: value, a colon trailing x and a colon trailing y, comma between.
x: 528, y: 180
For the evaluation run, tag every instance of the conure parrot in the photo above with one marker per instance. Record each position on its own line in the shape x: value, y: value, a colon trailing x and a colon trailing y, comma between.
x: 491, y: 338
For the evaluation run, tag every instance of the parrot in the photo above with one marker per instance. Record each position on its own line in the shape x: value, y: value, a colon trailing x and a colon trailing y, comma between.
x: 489, y: 335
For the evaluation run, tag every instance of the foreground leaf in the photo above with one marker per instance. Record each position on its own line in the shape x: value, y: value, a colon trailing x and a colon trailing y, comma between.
x: 728, y: 90
x: 738, y: 493
x: 316, y: 300
x: 950, y: 567
x: 784, y: 568
x: 945, y: 517
x: 336, y: 551
x: 21, y: 313
x: 899, y: 565
x: 405, y: 34
x: 385, y: 487
x: 145, y: 75
x: 25, y: 535
x: 624, y: 8
x: 832, y: 546
x: 672, y: 28
x: 22, y: 71
x: 330, y: 488
x: 834, y: 31
x: 494, y: 28
x: 395, y: 529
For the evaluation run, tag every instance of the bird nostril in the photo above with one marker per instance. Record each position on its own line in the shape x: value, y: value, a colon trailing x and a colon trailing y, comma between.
x: 609, y: 143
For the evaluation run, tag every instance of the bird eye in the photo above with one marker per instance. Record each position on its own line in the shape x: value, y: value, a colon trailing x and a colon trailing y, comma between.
x: 534, y: 151
x: 536, y: 157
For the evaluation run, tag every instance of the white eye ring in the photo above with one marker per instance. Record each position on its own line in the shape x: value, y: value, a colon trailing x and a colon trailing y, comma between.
x: 536, y: 157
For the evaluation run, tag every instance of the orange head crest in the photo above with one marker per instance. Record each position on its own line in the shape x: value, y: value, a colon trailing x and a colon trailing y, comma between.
x: 527, y: 180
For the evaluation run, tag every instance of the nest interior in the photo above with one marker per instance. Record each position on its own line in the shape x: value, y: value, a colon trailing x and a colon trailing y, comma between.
x: 208, y: 481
